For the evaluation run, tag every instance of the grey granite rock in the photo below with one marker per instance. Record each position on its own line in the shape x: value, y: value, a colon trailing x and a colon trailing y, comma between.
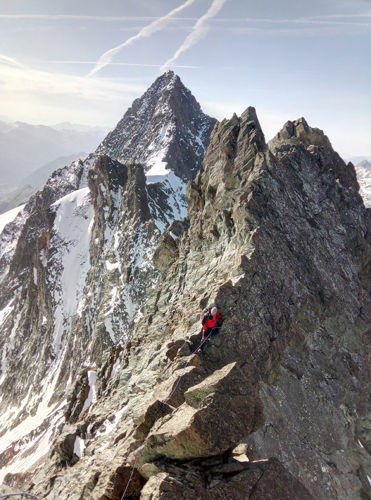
x: 278, y: 237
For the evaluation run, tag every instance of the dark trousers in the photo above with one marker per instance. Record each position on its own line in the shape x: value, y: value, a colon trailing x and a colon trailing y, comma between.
x: 206, y: 334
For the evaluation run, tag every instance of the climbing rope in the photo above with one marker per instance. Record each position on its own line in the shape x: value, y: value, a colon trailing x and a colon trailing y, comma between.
x: 205, y: 339
x: 22, y: 493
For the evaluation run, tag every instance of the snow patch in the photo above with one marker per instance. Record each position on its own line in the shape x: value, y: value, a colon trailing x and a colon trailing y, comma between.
x: 40, y: 443
x: 9, y: 216
x: 25, y: 457
x: 174, y: 189
x: 236, y: 279
x: 4, y: 313
x: 92, y: 377
x: 112, y: 267
x: 116, y: 365
x: 79, y: 447
x: 364, y: 179
x: 35, y: 276
x: 70, y: 266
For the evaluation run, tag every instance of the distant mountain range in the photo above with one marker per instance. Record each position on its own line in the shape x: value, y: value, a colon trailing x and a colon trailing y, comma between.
x: 13, y: 197
x: 29, y: 154
x: 24, y: 147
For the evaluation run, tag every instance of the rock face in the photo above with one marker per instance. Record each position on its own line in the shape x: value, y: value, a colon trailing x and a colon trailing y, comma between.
x: 275, y: 404
x: 163, y: 129
x: 76, y: 264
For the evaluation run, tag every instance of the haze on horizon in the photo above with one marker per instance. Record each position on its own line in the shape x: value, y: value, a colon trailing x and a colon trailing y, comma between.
x: 85, y: 62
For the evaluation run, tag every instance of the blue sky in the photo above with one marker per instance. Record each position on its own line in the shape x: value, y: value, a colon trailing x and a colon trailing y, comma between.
x: 85, y: 61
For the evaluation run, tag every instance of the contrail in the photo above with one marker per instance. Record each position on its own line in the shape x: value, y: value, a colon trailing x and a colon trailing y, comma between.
x: 157, y: 25
x: 9, y: 61
x: 197, y: 32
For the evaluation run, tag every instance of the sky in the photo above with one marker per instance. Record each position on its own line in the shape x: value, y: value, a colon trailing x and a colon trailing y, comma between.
x: 85, y: 61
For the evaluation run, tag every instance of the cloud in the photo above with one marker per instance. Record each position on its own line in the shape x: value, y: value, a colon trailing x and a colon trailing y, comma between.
x: 17, y: 77
x: 115, y: 19
x: 198, y: 31
x: 10, y: 62
x: 72, y: 17
x: 112, y: 63
x: 30, y: 94
x: 148, y: 30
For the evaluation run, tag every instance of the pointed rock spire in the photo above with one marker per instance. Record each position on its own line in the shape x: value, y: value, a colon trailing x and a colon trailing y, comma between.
x: 165, y: 130
x: 233, y: 146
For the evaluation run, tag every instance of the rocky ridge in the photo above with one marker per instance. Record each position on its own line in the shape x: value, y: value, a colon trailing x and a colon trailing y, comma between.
x: 76, y: 263
x: 275, y: 406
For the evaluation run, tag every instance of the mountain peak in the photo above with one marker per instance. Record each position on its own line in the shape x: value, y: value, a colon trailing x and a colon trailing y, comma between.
x: 165, y: 130
x: 168, y: 76
x: 364, y: 164
x: 300, y: 130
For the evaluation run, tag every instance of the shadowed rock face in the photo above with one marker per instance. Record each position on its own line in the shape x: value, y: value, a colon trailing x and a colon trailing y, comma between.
x: 278, y: 237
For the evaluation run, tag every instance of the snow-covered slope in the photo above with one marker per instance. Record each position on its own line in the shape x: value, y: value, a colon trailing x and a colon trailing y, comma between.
x: 363, y: 170
x: 9, y: 216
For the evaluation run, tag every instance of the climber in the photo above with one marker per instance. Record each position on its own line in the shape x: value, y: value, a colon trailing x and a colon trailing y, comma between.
x: 211, y: 323
x: 204, y: 312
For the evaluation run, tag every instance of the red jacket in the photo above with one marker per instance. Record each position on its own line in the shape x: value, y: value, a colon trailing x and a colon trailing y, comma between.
x: 210, y: 321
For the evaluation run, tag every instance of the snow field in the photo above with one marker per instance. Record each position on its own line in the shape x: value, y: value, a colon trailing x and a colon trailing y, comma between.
x: 9, y: 216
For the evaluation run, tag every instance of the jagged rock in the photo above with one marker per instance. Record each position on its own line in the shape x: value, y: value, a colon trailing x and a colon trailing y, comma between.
x: 167, y: 250
x: 285, y: 293
x: 76, y: 264
x: 65, y: 446
x: 166, y: 119
x: 260, y: 481
x: 279, y: 238
x: 166, y: 253
x: 78, y: 397
x: 118, y: 482
x: 146, y: 421
x: 197, y: 428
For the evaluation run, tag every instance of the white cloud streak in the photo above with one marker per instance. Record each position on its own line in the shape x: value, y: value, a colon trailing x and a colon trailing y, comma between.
x: 34, y: 95
x: 141, y: 65
x: 17, y: 78
x: 148, y: 30
x: 239, y: 25
x: 10, y: 62
x: 72, y: 17
x: 198, y: 31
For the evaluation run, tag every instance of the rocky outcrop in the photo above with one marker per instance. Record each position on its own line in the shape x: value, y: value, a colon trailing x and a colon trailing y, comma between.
x: 263, y: 480
x: 278, y: 238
